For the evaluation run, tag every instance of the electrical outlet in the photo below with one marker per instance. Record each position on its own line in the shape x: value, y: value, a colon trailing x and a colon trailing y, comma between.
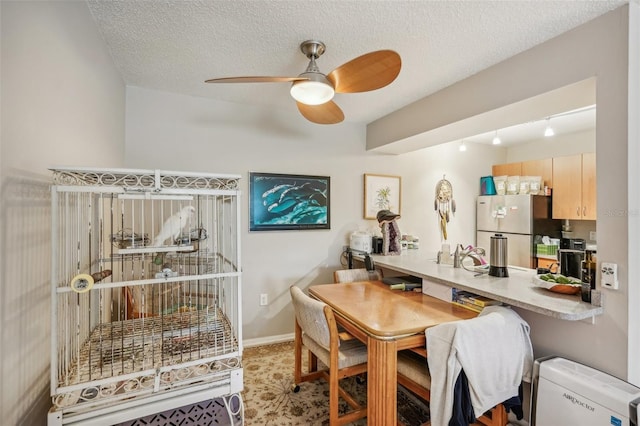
x: 264, y: 299
x: 592, y: 235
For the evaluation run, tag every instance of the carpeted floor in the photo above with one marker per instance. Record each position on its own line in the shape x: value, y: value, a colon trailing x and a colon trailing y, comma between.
x: 269, y: 398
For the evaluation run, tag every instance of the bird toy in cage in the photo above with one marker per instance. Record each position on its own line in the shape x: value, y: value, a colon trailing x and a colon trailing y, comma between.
x: 444, y: 204
x: 82, y: 283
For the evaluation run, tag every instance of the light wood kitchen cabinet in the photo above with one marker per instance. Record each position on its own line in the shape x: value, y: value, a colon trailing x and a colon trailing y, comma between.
x: 542, y: 168
x: 509, y: 169
x: 574, y: 190
x: 589, y: 204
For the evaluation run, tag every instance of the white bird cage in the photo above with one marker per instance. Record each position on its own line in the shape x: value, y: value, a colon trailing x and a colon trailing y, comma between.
x: 146, y: 293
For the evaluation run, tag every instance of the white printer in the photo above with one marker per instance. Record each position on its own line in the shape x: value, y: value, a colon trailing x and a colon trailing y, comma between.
x: 568, y: 393
x: 360, y: 242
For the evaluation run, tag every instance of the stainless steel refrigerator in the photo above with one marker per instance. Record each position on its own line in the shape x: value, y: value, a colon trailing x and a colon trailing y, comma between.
x: 520, y: 218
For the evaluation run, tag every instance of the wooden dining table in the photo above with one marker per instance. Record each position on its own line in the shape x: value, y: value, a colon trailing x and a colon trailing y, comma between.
x: 386, y: 321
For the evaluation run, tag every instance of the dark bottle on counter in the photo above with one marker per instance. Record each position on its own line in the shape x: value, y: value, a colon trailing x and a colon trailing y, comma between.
x: 588, y: 277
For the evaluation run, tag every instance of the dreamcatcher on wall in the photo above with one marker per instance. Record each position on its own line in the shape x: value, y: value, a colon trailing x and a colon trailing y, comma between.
x: 444, y: 204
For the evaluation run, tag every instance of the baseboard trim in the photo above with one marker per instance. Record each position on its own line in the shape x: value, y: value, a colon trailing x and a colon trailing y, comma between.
x: 269, y: 340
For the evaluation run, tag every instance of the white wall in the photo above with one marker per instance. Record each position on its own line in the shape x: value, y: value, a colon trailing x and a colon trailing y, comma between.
x: 633, y: 177
x: 62, y: 104
x: 186, y: 133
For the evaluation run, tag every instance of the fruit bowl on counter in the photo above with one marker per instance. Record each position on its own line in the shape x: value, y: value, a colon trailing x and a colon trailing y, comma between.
x: 558, y: 283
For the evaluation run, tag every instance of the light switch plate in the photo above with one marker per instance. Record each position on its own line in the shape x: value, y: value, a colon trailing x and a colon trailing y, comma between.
x: 609, y: 275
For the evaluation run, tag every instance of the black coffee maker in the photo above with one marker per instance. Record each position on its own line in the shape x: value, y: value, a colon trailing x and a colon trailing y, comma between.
x: 572, y: 243
x: 376, y: 245
x: 570, y: 256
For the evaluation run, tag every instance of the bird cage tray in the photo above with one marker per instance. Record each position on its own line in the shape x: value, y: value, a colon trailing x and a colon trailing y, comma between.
x: 141, y: 355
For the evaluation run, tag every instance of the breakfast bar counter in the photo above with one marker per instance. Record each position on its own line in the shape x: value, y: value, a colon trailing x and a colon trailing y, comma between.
x: 516, y: 290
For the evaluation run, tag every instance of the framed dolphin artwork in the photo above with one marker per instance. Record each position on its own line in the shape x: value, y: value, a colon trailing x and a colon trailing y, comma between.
x: 285, y: 202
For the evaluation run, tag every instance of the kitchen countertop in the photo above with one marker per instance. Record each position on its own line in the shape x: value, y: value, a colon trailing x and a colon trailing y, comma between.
x: 516, y: 290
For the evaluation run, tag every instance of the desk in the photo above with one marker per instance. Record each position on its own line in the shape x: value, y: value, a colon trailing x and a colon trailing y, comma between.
x: 387, y: 321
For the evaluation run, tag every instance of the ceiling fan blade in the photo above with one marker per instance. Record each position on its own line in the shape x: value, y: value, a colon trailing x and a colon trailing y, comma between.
x: 327, y: 113
x: 370, y: 71
x: 255, y: 79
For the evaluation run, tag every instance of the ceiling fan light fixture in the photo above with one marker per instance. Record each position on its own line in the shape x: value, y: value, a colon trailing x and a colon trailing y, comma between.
x: 315, y: 91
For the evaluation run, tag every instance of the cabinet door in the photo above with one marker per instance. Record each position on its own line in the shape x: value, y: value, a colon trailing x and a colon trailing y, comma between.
x: 589, y: 206
x: 542, y: 168
x: 567, y: 187
x: 509, y: 169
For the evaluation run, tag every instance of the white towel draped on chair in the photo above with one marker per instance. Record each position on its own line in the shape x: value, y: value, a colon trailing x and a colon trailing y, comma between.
x: 495, y: 352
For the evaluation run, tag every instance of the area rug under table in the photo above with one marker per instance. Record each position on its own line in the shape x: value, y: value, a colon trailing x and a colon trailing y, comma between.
x: 269, y: 398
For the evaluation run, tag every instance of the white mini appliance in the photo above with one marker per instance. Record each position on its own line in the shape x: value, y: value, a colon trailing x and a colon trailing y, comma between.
x: 571, y: 394
x: 360, y: 242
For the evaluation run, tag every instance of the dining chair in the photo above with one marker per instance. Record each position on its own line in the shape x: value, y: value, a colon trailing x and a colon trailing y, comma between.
x: 413, y: 374
x: 495, y: 352
x: 352, y: 275
x: 349, y: 276
x: 315, y: 329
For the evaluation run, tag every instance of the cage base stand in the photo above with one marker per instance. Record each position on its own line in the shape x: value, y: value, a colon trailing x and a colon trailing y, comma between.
x: 221, y: 411
x: 157, y: 403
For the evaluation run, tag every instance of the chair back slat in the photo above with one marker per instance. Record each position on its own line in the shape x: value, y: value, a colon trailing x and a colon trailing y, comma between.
x: 353, y: 275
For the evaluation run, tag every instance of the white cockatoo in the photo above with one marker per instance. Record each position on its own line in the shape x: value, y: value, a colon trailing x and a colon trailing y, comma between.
x: 173, y: 226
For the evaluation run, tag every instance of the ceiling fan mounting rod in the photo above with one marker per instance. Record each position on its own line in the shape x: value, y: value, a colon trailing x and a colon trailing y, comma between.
x: 312, y: 67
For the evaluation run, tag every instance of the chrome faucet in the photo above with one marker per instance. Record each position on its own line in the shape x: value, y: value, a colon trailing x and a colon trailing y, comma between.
x: 460, y: 253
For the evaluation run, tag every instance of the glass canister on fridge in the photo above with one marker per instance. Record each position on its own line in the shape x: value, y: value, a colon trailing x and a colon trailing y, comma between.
x: 588, y: 275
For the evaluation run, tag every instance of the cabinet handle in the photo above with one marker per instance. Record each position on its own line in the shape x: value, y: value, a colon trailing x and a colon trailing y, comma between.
x: 578, y: 211
x: 584, y: 211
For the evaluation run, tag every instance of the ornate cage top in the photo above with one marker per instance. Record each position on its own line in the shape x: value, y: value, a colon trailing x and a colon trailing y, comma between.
x: 143, y: 180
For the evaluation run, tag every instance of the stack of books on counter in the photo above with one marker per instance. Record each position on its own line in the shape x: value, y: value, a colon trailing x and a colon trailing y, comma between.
x: 472, y: 301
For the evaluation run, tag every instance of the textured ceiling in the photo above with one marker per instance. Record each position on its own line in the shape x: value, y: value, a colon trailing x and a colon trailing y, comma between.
x: 174, y: 46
